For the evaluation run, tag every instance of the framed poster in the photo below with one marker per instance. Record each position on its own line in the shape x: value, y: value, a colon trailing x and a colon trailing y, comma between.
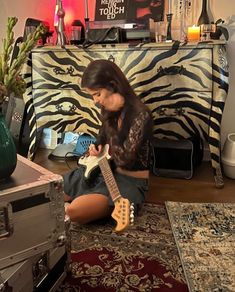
x: 111, y: 10
x: 129, y: 10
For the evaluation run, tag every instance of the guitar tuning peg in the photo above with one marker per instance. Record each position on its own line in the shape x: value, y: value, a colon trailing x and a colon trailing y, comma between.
x: 132, y: 206
x: 132, y: 215
x: 132, y: 221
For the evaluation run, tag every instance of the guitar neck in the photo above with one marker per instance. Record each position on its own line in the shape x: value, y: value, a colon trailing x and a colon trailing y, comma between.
x: 109, y: 178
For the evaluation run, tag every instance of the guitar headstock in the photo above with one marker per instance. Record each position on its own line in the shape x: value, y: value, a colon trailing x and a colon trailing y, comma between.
x: 123, y: 214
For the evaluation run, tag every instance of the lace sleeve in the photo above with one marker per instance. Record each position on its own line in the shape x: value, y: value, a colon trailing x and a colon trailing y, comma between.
x: 126, y: 153
x: 101, y: 137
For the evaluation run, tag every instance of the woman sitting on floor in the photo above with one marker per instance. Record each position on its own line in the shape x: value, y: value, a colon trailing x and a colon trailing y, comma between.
x: 127, y: 129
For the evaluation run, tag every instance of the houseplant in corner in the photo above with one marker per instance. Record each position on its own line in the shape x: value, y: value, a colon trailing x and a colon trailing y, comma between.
x: 11, y: 82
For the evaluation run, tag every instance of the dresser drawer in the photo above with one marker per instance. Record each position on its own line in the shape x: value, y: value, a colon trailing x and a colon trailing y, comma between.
x: 57, y: 69
x: 146, y: 68
x: 180, y: 115
x: 178, y: 70
x: 66, y: 110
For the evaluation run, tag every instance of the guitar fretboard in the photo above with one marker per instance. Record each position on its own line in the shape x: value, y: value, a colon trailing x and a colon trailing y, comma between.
x: 109, y: 178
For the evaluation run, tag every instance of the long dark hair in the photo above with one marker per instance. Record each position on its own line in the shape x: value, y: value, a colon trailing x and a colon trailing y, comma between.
x: 106, y: 74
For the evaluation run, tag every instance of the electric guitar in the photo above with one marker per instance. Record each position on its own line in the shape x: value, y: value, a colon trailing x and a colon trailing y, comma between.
x: 123, y: 211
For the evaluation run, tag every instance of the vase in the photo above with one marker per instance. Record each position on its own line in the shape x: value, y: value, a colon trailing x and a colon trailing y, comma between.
x: 228, y: 156
x: 8, y: 156
x: 203, y: 18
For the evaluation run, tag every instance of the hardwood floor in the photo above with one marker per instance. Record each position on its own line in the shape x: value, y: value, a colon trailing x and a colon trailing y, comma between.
x: 201, y: 188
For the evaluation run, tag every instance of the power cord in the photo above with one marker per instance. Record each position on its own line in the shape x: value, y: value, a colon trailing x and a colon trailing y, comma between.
x: 68, y: 158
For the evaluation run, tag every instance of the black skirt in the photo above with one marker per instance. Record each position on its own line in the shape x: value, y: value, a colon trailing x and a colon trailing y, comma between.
x: 131, y: 188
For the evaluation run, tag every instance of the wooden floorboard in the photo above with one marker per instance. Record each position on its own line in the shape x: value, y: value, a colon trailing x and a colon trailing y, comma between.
x: 201, y: 188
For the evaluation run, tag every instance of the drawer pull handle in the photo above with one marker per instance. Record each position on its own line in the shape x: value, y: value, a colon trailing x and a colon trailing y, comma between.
x: 69, y: 71
x: 170, y: 112
x: 172, y: 70
x: 111, y: 58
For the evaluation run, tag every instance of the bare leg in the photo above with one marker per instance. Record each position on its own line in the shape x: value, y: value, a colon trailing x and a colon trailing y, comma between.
x: 88, y: 208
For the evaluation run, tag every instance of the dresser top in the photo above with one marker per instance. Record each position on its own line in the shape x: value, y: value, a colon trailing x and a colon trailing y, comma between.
x: 130, y: 46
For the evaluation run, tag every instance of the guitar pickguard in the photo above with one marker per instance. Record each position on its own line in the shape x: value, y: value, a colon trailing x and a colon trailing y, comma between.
x: 92, y: 162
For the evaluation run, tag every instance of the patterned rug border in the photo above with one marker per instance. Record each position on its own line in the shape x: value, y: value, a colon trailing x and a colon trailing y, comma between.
x: 200, y: 238
x: 178, y: 247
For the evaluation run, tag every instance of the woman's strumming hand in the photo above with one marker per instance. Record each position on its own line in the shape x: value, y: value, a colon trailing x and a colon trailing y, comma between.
x: 95, y: 151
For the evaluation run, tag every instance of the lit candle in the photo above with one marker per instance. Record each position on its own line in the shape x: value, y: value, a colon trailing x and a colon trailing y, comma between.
x: 194, y: 33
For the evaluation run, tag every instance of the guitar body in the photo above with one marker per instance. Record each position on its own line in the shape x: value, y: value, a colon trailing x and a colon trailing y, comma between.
x: 92, y: 162
x: 123, y: 211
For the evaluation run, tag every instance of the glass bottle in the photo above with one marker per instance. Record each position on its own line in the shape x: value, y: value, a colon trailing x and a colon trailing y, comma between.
x: 203, y: 18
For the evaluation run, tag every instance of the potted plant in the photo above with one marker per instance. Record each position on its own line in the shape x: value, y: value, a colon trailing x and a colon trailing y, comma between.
x: 11, y: 82
x: 10, y: 78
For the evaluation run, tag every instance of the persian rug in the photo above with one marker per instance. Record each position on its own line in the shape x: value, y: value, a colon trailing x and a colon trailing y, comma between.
x: 205, y: 237
x: 142, y: 258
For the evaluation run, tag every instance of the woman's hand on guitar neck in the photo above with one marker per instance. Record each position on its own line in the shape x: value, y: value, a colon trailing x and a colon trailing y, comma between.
x: 95, y: 151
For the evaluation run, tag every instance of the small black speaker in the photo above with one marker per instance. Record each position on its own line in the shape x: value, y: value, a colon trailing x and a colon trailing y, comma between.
x: 104, y: 35
x: 176, y: 158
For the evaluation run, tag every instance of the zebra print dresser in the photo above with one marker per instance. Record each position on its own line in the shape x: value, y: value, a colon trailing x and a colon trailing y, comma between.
x: 185, y: 86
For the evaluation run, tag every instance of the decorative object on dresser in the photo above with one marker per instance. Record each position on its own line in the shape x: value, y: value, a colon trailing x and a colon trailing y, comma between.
x: 77, y: 33
x: 207, y: 30
x: 220, y: 31
x: 203, y: 18
x: 168, y: 33
x: 193, y: 33
x: 184, y: 86
x: 59, y: 23
x: 183, y: 17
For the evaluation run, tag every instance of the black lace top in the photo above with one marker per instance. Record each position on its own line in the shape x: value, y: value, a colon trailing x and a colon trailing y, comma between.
x: 131, y: 151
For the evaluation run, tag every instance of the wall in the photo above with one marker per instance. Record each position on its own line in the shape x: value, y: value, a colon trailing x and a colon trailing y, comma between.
x: 226, y: 10
x: 75, y: 9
